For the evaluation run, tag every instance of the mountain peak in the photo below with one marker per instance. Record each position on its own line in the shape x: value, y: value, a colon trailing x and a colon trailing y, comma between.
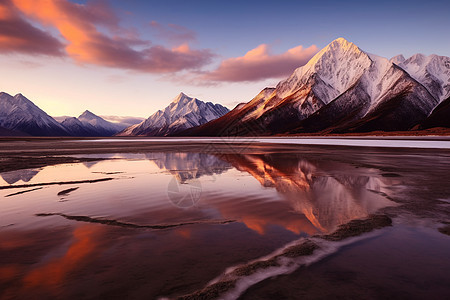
x: 335, y: 50
x: 330, y: 72
x: 341, y: 42
x: 20, y: 113
x: 181, y: 96
x: 4, y: 94
x: 182, y: 113
x: 342, y: 45
x: 87, y: 115
x: 398, y: 59
x: 21, y: 98
x: 418, y: 59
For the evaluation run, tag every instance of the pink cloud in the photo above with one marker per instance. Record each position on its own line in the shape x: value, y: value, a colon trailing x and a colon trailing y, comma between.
x: 93, y: 36
x: 173, y: 33
x: 259, y: 63
x: 19, y: 36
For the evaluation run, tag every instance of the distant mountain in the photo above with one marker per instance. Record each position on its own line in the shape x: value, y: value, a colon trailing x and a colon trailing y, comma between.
x: 124, y: 121
x: 21, y: 117
x: 431, y: 71
x: 60, y: 119
x: 103, y: 127
x: 341, y: 89
x: 76, y: 128
x: 89, y: 124
x: 182, y: 113
x: 25, y: 175
x: 20, y: 114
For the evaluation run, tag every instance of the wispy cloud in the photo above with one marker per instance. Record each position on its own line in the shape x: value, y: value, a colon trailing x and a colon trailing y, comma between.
x: 92, y: 36
x: 173, y: 33
x: 260, y: 63
x: 19, y: 36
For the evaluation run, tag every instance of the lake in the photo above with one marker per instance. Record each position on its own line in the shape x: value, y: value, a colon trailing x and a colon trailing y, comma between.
x: 247, y: 219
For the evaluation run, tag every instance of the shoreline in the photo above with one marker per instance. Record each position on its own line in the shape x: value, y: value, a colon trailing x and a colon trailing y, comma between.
x: 24, y: 153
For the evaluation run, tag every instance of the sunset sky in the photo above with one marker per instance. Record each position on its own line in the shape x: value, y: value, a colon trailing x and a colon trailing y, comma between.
x: 131, y: 58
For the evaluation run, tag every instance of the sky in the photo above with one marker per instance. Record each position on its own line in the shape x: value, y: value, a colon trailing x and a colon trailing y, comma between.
x: 131, y: 58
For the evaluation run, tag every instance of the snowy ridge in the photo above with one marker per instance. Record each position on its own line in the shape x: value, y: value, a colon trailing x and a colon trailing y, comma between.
x: 338, y: 66
x: 332, y: 71
x: 344, y: 89
x: 398, y: 59
x: 89, y: 124
x: 380, y: 78
x: 19, y: 113
x: 99, y: 123
x: 432, y: 71
x: 182, y: 113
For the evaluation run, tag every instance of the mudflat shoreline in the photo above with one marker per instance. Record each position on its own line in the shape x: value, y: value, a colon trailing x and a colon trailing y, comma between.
x: 34, y: 152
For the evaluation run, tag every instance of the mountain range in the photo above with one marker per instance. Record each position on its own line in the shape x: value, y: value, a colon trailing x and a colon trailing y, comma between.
x: 89, y: 124
x: 342, y: 89
x: 182, y: 113
x: 21, y: 117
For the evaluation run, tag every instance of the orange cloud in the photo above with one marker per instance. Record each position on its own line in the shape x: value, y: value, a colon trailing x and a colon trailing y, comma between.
x: 93, y: 36
x: 259, y: 63
x: 18, y: 35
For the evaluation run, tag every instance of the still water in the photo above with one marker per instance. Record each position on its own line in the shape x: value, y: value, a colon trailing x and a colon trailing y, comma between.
x: 171, y: 224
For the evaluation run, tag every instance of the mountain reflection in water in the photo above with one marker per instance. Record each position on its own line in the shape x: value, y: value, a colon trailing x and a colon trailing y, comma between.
x: 250, y: 204
x: 327, y: 193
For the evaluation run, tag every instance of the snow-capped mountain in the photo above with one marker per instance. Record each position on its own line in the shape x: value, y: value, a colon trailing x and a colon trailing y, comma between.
x: 76, y: 128
x: 20, y: 114
x: 341, y: 89
x: 432, y: 71
x: 103, y: 127
x: 182, y: 113
x: 89, y: 124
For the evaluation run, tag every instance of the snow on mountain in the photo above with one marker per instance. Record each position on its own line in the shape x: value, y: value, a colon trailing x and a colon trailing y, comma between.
x: 89, y: 124
x: 98, y: 126
x: 20, y: 114
x: 397, y: 59
x: 342, y: 88
x: 76, y: 128
x: 335, y: 68
x: 60, y: 119
x: 432, y: 71
x: 329, y: 73
x: 182, y: 113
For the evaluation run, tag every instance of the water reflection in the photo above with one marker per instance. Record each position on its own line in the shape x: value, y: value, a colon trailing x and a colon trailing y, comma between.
x: 52, y: 274
x: 185, y: 166
x: 266, y: 201
x: 17, y: 175
x: 327, y: 193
